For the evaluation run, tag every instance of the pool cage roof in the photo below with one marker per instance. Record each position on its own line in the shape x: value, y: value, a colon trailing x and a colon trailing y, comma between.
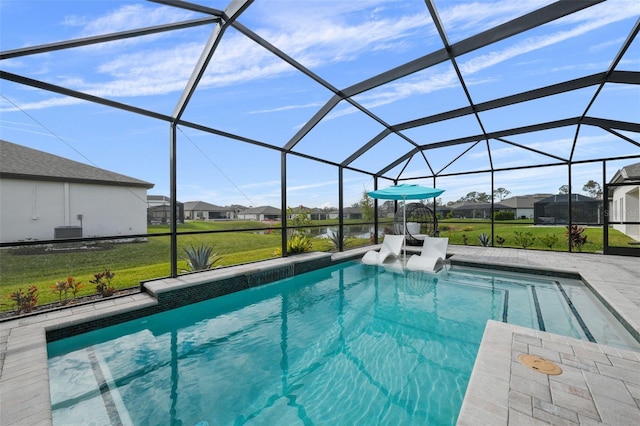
x: 440, y: 50
x: 380, y: 88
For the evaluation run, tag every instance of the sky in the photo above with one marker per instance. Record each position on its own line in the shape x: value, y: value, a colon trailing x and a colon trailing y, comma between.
x: 249, y: 92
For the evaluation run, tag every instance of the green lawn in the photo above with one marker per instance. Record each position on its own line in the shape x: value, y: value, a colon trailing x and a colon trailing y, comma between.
x: 507, y: 230
x: 141, y: 261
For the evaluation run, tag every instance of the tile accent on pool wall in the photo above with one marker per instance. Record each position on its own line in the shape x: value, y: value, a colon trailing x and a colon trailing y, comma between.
x: 576, y: 314
x: 192, y: 288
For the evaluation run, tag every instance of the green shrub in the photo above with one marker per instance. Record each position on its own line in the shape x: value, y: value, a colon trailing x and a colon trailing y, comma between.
x: 504, y: 215
x: 549, y: 240
x: 524, y: 239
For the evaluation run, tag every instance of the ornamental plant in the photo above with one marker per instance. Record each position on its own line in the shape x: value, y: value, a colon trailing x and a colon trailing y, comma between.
x: 485, y: 240
x: 102, y: 281
x: 25, y: 301
x: 201, y: 257
x: 575, y: 236
x: 61, y: 288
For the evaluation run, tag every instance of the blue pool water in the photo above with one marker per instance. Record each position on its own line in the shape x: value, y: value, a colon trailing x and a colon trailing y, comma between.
x: 350, y: 344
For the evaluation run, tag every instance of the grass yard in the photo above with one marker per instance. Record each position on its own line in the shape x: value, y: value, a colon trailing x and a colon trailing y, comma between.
x: 456, y: 231
x: 135, y: 262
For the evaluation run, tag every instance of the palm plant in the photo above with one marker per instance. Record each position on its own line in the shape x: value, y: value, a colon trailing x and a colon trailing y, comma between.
x: 201, y: 257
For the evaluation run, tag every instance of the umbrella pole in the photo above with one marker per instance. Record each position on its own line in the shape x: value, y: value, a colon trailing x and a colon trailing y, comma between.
x: 404, y: 227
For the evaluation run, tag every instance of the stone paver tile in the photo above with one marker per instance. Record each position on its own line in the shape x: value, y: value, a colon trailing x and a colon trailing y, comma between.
x: 577, y: 390
x: 589, y: 356
x: 559, y: 347
x: 530, y: 340
x: 588, y: 421
x: 485, y: 404
x: 579, y: 363
x: 626, y: 354
x: 552, y: 413
x: 521, y: 402
x: 520, y: 370
x: 573, y: 402
x: 590, y: 346
x: 631, y: 365
x: 516, y: 418
x: 529, y: 387
x: 472, y: 415
x: 616, y: 413
x: 634, y: 390
x: 607, y: 387
x: 549, y: 354
x: 619, y: 373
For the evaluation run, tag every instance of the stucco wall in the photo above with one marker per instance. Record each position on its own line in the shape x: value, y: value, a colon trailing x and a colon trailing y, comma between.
x: 33, y: 209
x: 626, y: 208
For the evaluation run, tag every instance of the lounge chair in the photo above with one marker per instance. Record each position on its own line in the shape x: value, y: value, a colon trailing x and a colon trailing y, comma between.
x: 432, y: 257
x: 391, y: 247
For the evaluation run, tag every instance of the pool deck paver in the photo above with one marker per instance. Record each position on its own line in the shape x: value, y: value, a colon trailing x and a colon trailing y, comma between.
x: 599, y: 385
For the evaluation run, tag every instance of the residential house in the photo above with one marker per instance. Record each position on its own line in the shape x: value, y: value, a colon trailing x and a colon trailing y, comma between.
x: 44, y: 196
x: 262, y: 213
x: 347, y: 213
x: 624, y: 200
x: 200, y: 210
x: 159, y: 209
x: 523, y: 204
x: 476, y: 209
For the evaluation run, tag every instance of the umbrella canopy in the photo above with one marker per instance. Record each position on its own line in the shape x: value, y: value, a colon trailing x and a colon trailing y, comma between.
x: 405, y: 192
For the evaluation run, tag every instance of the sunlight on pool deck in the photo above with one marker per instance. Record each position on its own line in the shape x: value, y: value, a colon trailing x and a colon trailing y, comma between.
x: 599, y: 384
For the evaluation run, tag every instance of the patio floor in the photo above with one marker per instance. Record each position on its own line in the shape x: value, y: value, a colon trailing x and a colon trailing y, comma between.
x: 599, y: 384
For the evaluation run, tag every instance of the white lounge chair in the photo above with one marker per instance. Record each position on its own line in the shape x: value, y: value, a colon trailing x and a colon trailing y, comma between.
x: 391, y: 247
x: 432, y: 257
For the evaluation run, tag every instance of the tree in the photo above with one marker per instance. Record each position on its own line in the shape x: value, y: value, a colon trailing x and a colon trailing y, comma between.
x: 592, y: 188
x: 387, y: 208
x: 564, y: 189
x: 501, y: 193
x: 366, y: 204
x: 480, y: 197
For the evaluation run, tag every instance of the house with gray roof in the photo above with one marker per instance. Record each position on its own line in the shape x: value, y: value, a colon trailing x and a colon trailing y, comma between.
x: 523, y: 204
x: 44, y: 196
x: 261, y: 213
x: 347, y: 213
x: 200, y: 210
x: 624, y: 200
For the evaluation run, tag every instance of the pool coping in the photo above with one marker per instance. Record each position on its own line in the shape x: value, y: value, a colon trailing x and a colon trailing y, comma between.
x: 24, y: 378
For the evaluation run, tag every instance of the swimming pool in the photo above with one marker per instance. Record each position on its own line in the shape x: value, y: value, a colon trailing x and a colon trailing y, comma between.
x: 349, y: 344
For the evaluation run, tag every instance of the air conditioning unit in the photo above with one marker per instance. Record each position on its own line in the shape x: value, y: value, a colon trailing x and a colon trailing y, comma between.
x: 60, y: 232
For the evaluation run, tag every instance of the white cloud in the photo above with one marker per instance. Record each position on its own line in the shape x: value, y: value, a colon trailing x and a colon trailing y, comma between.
x: 126, y: 17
